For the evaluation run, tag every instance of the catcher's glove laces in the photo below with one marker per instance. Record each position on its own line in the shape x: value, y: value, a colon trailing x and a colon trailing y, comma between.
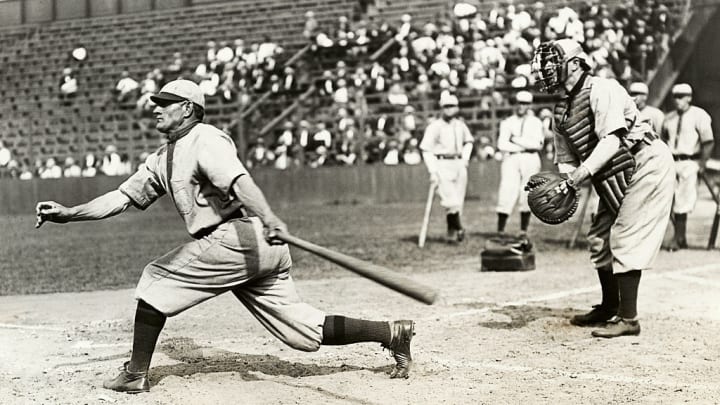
x: 552, y: 197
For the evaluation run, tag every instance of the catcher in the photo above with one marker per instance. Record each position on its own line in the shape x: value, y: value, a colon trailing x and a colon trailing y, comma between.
x: 599, y: 137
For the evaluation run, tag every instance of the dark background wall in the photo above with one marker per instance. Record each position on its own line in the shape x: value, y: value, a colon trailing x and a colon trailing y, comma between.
x: 359, y: 184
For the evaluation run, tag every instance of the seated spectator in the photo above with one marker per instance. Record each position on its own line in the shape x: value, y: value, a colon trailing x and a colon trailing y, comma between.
x: 318, y: 157
x: 71, y: 169
x: 148, y: 87
x: 79, y: 53
x: 112, y: 164
x: 411, y: 154
x: 341, y: 96
x: 5, y: 158
x: 267, y: 48
x: 396, y: 95
x: 68, y: 86
x: 392, y: 153
x: 257, y: 154
x: 225, y: 54
x: 176, y: 67
x: 322, y: 137
x: 126, y: 88
x: 52, y: 170
x: 310, y: 30
x: 26, y: 172
x: 282, y: 159
x: 90, y: 166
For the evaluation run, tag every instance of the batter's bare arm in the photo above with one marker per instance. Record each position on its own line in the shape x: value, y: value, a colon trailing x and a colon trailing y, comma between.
x: 107, y: 205
x: 250, y: 195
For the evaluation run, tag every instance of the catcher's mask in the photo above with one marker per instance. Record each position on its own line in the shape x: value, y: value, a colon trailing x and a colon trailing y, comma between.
x: 549, y: 64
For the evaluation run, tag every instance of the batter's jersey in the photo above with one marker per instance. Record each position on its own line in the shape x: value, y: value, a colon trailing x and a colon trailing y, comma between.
x: 685, y: 132
x: 204, y: 168
x: 526, y: 132
x: 654, y: 117
x: 446, y: 138
x: 613, y: 109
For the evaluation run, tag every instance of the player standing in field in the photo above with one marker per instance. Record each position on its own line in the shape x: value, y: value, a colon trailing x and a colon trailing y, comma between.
x: 235, y: 248
x: 446, y: 148
x: 654, y: 116
x: 599, y: 137
x: 520, y: 140
x: 688, y: 132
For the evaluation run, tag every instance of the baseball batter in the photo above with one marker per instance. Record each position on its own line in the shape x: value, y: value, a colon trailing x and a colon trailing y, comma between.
x: 688, y: 132
x: 520, y: 140
x: 234, y: 245
x: 446, y: 148
x: 599, y: 136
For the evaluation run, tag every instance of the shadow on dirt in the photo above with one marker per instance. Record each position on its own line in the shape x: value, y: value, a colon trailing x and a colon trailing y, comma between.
x: 522, y: 315
x: 194, y: 361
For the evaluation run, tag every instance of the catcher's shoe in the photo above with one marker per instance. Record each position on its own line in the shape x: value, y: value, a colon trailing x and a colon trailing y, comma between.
x: 618, y: 327
x: 401, y: 333
x: 127, y: 381
x: 598, y: 315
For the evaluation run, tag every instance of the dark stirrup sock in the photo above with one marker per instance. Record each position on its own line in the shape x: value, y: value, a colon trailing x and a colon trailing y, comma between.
x: 609, y: 285
x: 524, y: 221
x: 502, y: 221
x: 341, y: 330
x: 628, y: 284
x: 148, y: 324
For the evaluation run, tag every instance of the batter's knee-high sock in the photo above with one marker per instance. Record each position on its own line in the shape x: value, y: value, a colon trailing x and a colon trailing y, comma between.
x: 502, y: 221
x: 628, y: 284
x: 609, y: 286
x: 341, y: 330
x: 148, y: 324
x: 524, y: 220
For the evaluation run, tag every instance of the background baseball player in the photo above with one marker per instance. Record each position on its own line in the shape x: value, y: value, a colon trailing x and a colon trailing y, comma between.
x: 213, y: 194
x: 520, y: 140
x: 688, y: 132
x: 654, y: 116
x: 598, y: 136
x: 446, y: 148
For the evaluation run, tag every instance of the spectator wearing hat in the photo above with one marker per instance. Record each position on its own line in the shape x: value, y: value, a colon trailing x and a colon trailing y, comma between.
x: 688, y: 132
x: 648, y: 113
x: 68, y: 86
x: 520, y: 140
x: 446, y: 148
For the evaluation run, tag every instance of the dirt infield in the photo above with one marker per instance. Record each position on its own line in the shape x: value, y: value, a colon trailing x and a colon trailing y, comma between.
x: 493, y: 338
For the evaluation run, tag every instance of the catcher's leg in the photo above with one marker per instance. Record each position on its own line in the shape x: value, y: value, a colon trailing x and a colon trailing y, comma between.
x: 133, y: 374
x: 610, y: 301
x: 395, y: 336
x: 624, y: 324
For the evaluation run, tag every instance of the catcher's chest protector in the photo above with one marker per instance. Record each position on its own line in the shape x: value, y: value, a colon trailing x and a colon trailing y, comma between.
x: 574, y: 120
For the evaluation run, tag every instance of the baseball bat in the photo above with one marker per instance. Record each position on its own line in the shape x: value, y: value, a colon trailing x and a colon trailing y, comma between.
x: 426, y: 217
x: 379, y: 274
x: 716, y: 219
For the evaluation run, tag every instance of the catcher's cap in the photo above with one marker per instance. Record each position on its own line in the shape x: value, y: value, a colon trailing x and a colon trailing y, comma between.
x: 638, y: 88
x: 682, y: 89
x: 524, y: 97
x: 571, y: 49
x: 180, y: 90
x: 448, y: 100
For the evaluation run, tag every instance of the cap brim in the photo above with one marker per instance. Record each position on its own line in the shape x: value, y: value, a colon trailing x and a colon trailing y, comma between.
x: 166, y: 98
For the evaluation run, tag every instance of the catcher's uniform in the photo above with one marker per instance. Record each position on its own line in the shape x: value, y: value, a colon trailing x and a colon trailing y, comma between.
x: 627, y: 234
x: 445, y: 140
x: 520, y: 139
x: 229, y: 252
x: 685, y: 132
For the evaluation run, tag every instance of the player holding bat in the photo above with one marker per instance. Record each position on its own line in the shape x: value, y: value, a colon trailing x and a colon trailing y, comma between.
x: 235, y: 247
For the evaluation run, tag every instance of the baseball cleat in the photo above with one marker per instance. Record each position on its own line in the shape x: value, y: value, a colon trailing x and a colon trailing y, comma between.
x: 598, y: 315
x: 128, y: 381
x: 401, y: 333
x: 460, y: 235
x: 618, y: 327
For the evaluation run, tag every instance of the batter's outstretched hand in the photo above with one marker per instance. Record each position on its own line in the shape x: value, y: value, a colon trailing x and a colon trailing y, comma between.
x: 273, y: 227
x: 51, y: 211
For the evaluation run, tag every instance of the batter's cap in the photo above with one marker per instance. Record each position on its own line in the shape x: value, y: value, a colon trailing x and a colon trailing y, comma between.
x: 180, y: 90
x: 683, y: 89
x: 638, y: 88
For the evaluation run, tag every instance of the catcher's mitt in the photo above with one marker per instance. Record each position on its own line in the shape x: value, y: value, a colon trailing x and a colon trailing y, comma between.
x: 551, y: 198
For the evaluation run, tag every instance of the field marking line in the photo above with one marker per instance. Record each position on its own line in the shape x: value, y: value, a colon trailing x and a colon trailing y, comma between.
x: 31, y: 327
x: 581, y: 376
